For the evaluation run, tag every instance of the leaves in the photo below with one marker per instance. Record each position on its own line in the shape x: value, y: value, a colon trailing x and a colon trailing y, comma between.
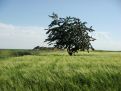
x: 69, y: 33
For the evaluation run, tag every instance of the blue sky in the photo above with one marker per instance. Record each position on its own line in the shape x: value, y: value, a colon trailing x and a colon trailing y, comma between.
x: 22, y: 22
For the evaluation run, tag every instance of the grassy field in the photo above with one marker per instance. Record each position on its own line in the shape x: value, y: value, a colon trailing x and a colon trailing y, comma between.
x: 56, y: 71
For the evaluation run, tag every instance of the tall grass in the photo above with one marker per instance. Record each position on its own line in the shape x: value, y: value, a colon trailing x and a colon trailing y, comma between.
x: 56, y: 71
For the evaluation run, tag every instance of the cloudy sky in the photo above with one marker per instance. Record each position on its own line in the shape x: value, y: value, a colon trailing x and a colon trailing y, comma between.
x: 22, y: 22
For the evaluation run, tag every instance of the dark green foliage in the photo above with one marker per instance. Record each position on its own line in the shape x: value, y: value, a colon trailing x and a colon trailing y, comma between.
x: 43, y: 48
x: 14, y: 52
x: 36, y: 48
x: 21, y: 53
x: 69, y: 33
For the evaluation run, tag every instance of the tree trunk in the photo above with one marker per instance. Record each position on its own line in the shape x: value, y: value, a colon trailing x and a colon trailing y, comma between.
x: 69, y: 51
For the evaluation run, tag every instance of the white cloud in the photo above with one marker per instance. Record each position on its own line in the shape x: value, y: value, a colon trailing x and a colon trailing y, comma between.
x: 23, y: 37
x: 106, y: 41
x: 6, y: 26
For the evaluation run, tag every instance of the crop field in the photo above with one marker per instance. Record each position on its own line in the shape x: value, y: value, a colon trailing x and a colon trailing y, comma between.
x: 57, y: 71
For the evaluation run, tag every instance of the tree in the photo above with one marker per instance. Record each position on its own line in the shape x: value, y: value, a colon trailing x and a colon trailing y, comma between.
x: 69, y: 33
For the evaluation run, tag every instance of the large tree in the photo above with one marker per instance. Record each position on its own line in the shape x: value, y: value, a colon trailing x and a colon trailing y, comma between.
x: 69, y: 33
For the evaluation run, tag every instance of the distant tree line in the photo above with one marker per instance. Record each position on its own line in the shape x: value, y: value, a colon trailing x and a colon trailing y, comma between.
x: 45, y: 48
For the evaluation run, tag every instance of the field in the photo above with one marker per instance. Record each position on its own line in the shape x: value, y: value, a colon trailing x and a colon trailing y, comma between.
x: 56, y: 71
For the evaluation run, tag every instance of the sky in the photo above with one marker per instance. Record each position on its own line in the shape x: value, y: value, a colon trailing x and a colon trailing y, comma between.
x: 22, y: 22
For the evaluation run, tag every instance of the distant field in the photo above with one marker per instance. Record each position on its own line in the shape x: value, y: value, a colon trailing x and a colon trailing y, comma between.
x: 56, y: 71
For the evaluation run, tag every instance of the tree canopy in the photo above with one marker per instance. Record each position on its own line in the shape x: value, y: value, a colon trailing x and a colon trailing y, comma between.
x: 69, y: 33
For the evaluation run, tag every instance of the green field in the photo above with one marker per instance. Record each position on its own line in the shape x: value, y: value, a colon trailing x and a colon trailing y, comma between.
x: 56, y: 71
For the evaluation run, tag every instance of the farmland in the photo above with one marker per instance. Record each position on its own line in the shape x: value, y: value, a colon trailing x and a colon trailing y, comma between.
x: 57, y: 71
